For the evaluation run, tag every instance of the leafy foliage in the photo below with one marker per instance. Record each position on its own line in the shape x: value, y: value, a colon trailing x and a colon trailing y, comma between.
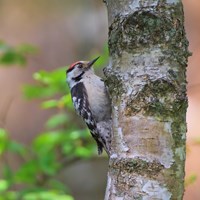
x: 10, y: 56
x: 62, y: 143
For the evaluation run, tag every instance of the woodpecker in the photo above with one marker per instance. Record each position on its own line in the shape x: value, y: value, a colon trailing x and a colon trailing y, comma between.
x: 91, y: 101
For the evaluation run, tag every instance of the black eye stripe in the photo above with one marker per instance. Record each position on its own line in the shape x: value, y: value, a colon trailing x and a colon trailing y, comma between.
x: 79, y: 77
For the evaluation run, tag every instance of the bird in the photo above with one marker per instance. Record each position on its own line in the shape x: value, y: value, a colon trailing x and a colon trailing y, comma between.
x: 91, y: 101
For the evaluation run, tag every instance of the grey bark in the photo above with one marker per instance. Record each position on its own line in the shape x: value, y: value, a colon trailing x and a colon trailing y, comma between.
x: 147, y: 82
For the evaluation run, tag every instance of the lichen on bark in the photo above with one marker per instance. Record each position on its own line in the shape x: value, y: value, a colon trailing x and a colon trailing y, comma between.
x: 147, y: 82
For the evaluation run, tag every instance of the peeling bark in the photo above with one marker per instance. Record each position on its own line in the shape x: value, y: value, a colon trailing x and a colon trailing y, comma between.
x: 147, y: 82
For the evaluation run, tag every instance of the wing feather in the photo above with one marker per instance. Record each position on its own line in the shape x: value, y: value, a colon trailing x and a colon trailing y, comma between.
x: 82, y: 106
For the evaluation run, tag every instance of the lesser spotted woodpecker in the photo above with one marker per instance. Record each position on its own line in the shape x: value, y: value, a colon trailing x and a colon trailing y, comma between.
x: 91, y: 101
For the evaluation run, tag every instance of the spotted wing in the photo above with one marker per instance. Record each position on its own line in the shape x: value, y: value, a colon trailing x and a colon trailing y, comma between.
x: 81, y: 104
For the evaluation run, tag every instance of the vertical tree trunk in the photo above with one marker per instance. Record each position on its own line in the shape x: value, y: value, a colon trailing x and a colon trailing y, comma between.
x: 147, y: 82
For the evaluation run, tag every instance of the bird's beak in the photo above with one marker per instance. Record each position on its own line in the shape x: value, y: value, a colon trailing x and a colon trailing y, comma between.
x: 92, y: 62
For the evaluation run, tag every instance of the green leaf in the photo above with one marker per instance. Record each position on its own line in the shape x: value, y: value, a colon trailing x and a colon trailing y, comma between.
x: 83, y: 152
x: 3, y: 133
x: 27, y: 173
x: 3, y: 185
x: 57, y: 120
x: 44, y: 142
x: 3, y: 140
x: 9, y: 195
x: 11, y: 57
x: 8, y: 173
x: 14, y: 55
x: 64, y: 101
x: 48, y: 84
x: 57, y: 76
x: 75, y: 135
x: 48, y: 164
x: 50, y: 104
x: 36, y: 91
x: 16, y: 148
x: 47, y: 195
x: 68, y: 149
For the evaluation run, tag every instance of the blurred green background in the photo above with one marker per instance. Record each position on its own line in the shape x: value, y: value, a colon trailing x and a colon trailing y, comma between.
x: 46, y: 151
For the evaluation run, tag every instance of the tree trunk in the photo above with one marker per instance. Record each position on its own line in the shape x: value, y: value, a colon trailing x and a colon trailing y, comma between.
x: 147, y: 82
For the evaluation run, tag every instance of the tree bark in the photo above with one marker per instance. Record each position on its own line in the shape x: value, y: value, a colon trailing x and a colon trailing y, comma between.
x: 147, y: 83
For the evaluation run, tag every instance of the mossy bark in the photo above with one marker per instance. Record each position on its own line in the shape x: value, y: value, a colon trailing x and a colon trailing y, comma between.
x: 147, y: 82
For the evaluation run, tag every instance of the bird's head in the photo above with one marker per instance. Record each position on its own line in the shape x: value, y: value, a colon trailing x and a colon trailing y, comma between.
x: 77, y: 70
x: 81, y: 66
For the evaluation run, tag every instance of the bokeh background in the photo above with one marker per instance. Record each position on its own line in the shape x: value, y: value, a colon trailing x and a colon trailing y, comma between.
x: 65, y: 31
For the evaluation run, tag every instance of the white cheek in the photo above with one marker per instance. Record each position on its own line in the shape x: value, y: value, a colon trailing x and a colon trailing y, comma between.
x: 70, y: 77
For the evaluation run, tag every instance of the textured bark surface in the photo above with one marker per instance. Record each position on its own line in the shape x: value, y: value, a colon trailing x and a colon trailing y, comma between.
x: 147, y: 82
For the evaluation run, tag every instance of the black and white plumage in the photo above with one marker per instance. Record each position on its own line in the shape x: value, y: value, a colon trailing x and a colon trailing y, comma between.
x: 91, y: 101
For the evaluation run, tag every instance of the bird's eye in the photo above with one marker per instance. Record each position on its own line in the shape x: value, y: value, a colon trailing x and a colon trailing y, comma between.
x: 80, y: 66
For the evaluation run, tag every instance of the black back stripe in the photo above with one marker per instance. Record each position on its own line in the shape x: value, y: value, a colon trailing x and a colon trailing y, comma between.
x: 78, y: 91
x: 83, y: 109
